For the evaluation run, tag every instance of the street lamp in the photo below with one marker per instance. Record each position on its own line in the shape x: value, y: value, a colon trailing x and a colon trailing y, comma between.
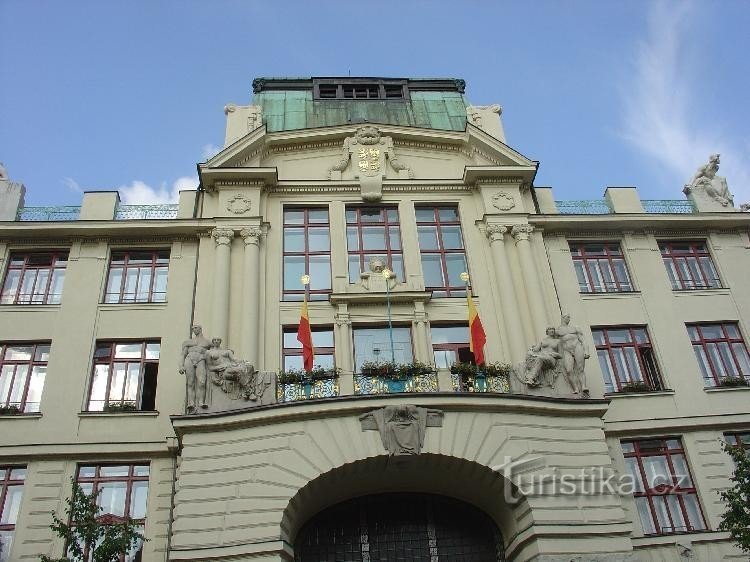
x: 387, y: 273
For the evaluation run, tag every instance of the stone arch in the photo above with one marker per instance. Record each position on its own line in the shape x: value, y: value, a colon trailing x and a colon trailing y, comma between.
x: 457, y: 478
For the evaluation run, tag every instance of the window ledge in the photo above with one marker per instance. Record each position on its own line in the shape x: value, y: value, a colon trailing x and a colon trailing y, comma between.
x: 610, y: 294
x: 712, y: 291
x: 136, y: 413
x: 24, y: 306
x: 21, y: 416
x: 665, y: 392
x: 132, y: 305
x: 644, y: 541
x: 725, y: 388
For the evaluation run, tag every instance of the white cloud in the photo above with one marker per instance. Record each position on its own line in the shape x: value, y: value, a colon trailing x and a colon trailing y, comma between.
x: 662, y: 113
x: 140, y: 193
x: 209, y: 150
x: 72, y: 185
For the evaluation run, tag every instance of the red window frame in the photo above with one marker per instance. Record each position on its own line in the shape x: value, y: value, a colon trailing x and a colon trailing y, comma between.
x: 698, y: 264
x: 122, y: 261
x: 10, y: 477
x: 354, y: 230
x: 612, y: 368
x: 19, y: 262
x: 603, y: 265
x: 95, y: 481
x: 106, y: 354
x: 316, y: 293
x: 731, y: 358
x: 37, y: 349
x: 459, y: 349
x: 739, y: 439
x: 447, y: 289
x: 296, y: 351
x: 679, y: 488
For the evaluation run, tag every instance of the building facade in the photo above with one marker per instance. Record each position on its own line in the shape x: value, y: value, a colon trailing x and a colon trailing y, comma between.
x: 616, y: 348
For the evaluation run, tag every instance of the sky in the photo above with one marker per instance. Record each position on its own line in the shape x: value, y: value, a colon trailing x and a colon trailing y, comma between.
x: 129, y: 96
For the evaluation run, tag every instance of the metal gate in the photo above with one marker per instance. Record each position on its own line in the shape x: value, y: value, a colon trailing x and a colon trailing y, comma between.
x: 400, y: 528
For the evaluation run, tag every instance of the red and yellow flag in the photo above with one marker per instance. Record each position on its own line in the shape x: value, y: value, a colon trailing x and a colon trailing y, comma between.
x: 477, y: 337
x: 304, y: 336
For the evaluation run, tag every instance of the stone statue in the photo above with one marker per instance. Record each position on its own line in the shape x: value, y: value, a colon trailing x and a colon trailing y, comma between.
x: 574, y: 354
x: 3, y: 172
x: 193, y: 361
x: 705, y: 180
x: 236, y: 378
x: 373, y: 279
x: 370, y: 150
x: 402, y: 427
x: 543, y: 360
x: 745, y: 207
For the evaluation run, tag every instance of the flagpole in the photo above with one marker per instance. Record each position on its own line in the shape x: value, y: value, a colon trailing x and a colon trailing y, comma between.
x: 387, y: 275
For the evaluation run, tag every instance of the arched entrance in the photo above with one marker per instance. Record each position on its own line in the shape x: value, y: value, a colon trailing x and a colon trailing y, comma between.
x: 404, y: 527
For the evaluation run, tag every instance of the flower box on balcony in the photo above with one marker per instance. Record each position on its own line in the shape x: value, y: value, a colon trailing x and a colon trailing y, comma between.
x: 9, y: 410
x: 481, y: 378
x: 636, y: 386
x: 732, y: 382
x: 120, y: 407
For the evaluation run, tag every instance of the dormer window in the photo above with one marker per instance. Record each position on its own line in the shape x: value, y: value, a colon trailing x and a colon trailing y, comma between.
x: 362, y: 89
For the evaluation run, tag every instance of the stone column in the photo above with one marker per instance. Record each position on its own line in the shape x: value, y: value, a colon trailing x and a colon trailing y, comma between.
x: 422, y: 346
x: 250, y: 295
x: 508, y: 300
x: 220, y: 318
x: 521, y: 233
x: 344, y: 356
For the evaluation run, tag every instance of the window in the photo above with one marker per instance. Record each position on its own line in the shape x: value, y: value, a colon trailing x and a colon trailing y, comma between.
x: 322, y: 345
x: 360, y: 90
x: 307, y: 249
x: 122, y: 493
x: 600, y: 267
x: 124, y: 376
x: 442, y: 248
x: 450, y: 344
x: 626, y: 358
x: 373, y: 232
x: 721, y: 352
x: 665, y: 495
x: 11, y: 490
x: 739, y: 440
x: 374, y: 345
x: 23, y: 367
x: 138, y: 276
x: 34, y: 278
x: 689, y: 265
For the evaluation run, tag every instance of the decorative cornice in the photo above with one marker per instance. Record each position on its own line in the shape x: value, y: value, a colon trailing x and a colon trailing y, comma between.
x: 239, y: 183
x: 222, y: 236
x: 499, y: 181
x: 407, y: 188
x: 486, y: 156
x: 521, y: 232
x: 251, y: 235
x: 288, y: 189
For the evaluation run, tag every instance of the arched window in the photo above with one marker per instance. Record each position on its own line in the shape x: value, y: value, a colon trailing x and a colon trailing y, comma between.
x: 404, y: 527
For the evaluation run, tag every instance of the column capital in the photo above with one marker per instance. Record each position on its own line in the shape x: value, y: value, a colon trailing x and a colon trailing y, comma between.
x: 342, y: 319
x: 521, y: 231
x: 496, y: 232
x: 222, y: 236
x: 251, y: 235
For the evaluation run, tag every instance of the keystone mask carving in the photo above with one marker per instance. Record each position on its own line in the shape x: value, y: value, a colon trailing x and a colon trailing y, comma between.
x: 402, y: 427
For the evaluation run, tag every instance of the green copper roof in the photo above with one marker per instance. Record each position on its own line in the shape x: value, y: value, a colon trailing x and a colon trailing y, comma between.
x: 288, y: 110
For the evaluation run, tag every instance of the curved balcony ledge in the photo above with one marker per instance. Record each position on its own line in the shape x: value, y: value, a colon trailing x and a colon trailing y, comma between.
x: 358, y: 404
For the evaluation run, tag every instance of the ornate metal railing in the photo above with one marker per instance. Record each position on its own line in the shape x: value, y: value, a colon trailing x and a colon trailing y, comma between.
x: 584, y: 207
x: 318, y: 388
x: 375, y: 384
x: 64, y: 213
x: 133, y: 212
x: 667, y: 206
x: 491, y: 383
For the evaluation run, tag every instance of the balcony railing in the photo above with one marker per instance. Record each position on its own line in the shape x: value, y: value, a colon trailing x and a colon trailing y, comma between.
x: 481, y: 383
x: 45, y: 214
x: 668, y: 206
x: 584, y: 207
x: 135, y: 212
x: 378, y: 384
x: 306, y: 390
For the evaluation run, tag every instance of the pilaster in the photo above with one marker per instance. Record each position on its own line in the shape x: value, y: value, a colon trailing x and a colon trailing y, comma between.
x: 251, y: 236
x: 220, y: 313
x: 521, y: 233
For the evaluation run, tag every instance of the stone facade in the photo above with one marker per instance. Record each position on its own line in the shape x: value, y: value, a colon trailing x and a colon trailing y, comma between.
x: 237, y: 474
